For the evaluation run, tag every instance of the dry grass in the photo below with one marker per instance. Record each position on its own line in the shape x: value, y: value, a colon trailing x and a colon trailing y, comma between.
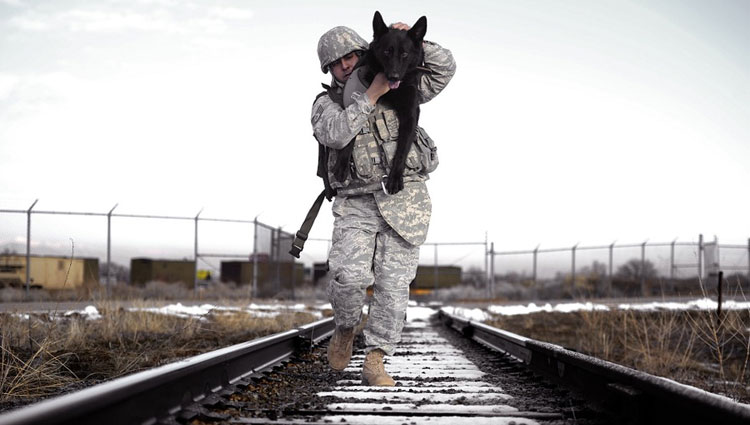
x: 42, y: 355
x: 34, y: 370
x: 688, y: 346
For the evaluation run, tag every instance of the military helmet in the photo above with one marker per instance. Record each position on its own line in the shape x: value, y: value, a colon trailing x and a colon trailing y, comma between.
x: 337, y: 43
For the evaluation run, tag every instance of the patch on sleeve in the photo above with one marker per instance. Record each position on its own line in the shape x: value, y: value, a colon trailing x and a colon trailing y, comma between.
x: 317, y: 114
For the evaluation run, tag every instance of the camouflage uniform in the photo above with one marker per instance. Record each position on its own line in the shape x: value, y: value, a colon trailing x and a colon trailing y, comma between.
x: 376, y: 236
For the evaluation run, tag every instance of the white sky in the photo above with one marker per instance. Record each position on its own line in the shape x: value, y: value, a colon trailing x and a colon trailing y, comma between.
x: 577, y: 121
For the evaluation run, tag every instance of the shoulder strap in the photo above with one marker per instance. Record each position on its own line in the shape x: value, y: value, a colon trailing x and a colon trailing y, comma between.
x: 328, y: 192
x: 301, y: 236
x: 323, y: 170
x: 335, y: 96
x: 321, y: 94
x: 322, y: 149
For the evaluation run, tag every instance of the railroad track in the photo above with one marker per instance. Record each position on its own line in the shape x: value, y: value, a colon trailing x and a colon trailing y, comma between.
x: 476, y: 375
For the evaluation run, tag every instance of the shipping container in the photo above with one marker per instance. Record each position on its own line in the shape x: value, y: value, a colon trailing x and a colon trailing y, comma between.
x: 49, y: 272
x: 144, y: 270
x: 274, y: 279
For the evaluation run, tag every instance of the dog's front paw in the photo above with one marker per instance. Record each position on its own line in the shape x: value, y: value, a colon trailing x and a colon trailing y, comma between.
x: 394, y: 184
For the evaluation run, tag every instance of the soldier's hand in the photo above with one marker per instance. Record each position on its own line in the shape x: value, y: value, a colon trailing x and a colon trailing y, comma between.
x: 378, y: 87
x: 402, y: 26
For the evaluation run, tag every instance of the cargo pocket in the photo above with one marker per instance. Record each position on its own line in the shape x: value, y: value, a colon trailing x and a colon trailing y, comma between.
x: 412, y: 158
x: 373, y: 150
x: 390, y: 121
x: 382, y: 128
x: 362, y: 162
x: 413, y: 163
x: 427, y: 151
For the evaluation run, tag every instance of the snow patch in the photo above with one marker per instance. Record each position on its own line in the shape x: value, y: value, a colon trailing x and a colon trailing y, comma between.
x: 699, y: 304
x: 89, y: 313
x: 512, y: 310
x: 419, y: 314
x: 179, y: 310
x: 475, y: 314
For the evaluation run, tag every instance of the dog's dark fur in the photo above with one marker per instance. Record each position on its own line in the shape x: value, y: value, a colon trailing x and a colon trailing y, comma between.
x: 397, y: 54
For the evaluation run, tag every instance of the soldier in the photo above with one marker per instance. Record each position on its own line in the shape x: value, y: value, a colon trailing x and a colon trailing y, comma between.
x: 376, y: 236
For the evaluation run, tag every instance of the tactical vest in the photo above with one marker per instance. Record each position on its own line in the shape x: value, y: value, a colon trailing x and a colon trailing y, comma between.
x: 372, y: 155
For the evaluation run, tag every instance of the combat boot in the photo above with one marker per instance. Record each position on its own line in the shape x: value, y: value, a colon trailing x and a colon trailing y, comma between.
x: 373, y: 371
x: 340, y: 348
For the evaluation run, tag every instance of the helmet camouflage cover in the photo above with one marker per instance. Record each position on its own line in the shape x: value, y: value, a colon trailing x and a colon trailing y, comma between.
x: 337, y: 43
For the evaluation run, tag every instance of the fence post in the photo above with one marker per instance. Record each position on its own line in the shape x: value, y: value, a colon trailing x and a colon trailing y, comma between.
x: 487, y: 270
x: 533, y: 276
x: 275, y: 246
x: 573, y: 266
x: 255, y: 257
x: 611, y: 260
x: 718, y: 305
x: 491, y: 286
x: 294, y: 273
x: 671, y: 265
x: 643, y: 268
x: 28, y: 246
x: 109, y: 247
x: 195, y: 254
x: 700, y: 257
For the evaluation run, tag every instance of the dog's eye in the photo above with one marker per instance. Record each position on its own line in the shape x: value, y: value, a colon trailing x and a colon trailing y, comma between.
x: 404, y: 55
x: 387, y: 52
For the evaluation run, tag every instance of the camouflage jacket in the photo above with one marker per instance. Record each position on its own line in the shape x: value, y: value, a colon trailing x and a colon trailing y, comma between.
x: 408, y: 211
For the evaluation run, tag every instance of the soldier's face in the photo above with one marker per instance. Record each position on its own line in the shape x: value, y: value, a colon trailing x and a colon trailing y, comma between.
x: 344, y: 66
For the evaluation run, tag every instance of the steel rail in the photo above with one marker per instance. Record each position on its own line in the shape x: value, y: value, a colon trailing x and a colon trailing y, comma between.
x: 626, y: 392
x: 146, y: 397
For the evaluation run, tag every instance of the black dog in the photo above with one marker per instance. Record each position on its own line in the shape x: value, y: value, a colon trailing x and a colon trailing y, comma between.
x: 397, y: 54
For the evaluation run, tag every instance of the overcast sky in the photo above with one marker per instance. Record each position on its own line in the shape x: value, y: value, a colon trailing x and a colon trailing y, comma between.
x: 575, y: 121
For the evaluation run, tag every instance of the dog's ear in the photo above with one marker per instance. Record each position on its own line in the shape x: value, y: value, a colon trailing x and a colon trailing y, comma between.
x: 378, y: 26
x: 419, y: 29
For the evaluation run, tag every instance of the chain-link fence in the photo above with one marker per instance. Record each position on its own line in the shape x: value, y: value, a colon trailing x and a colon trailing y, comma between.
x: 260, y: 257
x: 199, y: 250
x: 645, y: 269
x: 255, y: 255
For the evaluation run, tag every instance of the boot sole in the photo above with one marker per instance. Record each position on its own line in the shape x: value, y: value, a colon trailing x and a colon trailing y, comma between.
x: 367, y: 384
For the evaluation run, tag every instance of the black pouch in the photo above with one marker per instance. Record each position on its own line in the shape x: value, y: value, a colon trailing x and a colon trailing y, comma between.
x: 427, y: 151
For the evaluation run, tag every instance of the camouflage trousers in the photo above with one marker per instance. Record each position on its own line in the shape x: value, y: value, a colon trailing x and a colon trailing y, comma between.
x: 367, y: 251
